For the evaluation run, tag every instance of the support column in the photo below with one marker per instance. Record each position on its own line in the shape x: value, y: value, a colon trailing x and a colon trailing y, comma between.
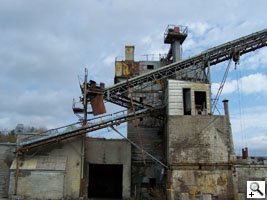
x: 176, y: 52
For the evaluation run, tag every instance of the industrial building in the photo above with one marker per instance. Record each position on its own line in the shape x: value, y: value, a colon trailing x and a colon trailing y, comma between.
x: 175, y: 148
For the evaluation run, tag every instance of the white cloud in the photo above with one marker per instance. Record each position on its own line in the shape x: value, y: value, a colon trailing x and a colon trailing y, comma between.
x: 109, y: 60
x: 250, y: 129
x: 253, y: 83
x: 255, y: 61
x: 146, y: 40
x: 229, y: 87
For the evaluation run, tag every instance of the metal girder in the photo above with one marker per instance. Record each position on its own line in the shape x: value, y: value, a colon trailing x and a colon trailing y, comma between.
x: 212, y: 56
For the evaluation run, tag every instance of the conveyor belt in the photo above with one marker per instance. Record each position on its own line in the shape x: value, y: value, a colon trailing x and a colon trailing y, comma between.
x: 207, y: 58
x: 99, y: 124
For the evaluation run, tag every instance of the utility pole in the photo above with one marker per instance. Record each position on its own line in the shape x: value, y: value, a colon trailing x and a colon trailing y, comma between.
x: 83, y: 136
x: 85, y: 98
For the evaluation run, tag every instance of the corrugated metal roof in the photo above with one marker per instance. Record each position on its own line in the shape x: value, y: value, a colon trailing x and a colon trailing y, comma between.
x: 55, y: 163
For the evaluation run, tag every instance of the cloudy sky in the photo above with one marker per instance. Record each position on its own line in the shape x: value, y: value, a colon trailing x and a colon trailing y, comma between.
x: 46, y: 44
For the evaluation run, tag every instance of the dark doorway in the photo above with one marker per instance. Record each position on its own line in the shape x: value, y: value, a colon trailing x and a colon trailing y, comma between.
x: 200, y: 102
x: 187, y: 101
x: 105, y: 181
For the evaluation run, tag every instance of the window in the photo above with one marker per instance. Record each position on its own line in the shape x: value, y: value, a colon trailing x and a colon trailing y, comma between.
x: 187, y: 101
x: 150, y: 66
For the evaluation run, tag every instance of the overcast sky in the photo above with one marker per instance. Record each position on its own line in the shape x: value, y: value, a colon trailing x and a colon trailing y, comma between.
x: 46, y: 44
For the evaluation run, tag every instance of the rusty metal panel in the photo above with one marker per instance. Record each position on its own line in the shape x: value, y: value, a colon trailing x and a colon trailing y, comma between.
x: 129, y: 52
x: 118, y: 68
x: 98, y: 105
x: 57, y: 163
x: 126, y: 69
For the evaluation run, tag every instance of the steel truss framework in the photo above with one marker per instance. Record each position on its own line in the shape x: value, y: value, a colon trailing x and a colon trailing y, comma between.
x: 90, y: 127
x: 213, y: 56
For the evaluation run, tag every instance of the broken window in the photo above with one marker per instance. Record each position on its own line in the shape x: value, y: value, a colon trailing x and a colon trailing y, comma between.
x: 200, y: 102
x: 187, y: 101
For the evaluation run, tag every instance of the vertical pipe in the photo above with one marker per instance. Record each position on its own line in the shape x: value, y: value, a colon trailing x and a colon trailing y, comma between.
x: 194, y: 193
x: 231, y: 153
x: 85, y: 98
x: 171, y: 193
x: 226, y: 109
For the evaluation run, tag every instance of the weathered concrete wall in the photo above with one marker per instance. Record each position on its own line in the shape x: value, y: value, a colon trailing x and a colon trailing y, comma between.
x: 249, y: 169
x: 214, y: 181
x: 199, y: 153
x: 39, y: 184
x: 199, y: 139
x: 6, y: 158
x: 102, y: 151
x: 71, y: 149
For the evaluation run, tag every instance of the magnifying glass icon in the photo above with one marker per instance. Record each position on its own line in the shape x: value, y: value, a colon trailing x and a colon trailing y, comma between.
x: 254, y: 186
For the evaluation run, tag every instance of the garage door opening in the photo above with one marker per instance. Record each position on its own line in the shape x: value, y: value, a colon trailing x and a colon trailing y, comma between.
x: 105, y: 181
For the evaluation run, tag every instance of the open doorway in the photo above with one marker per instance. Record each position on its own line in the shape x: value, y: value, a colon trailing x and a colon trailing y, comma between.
x: 105, y: 181
x: 200, y: 102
